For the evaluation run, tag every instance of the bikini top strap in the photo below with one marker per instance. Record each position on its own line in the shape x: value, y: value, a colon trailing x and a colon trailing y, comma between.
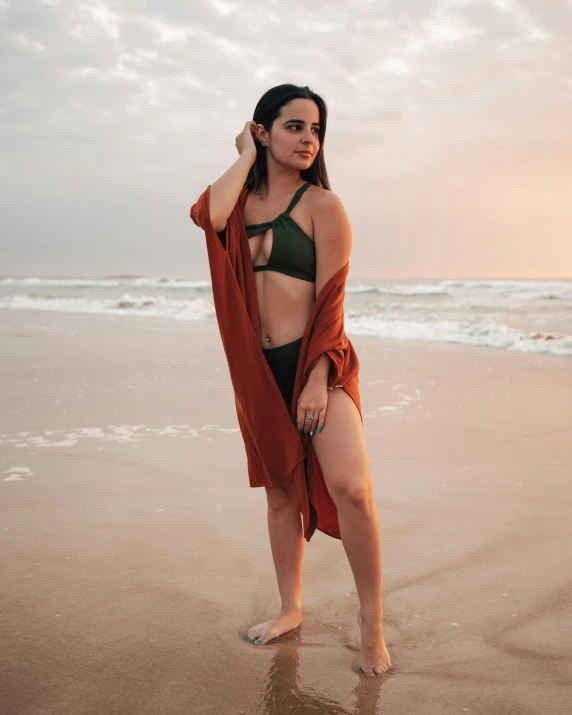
x: 297, y: 196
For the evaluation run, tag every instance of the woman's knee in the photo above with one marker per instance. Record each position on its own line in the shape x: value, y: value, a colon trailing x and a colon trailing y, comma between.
x: 354, y: 494
x: 282, y: 496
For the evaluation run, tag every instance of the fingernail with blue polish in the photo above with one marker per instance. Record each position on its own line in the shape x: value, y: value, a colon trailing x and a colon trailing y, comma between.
x: 258, y: 641
x: 320, y: 429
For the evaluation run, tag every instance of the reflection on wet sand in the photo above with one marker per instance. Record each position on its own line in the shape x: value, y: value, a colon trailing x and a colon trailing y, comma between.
x: 285, y: 694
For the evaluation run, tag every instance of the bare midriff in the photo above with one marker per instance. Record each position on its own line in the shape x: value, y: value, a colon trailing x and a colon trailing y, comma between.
x: 284, y: 306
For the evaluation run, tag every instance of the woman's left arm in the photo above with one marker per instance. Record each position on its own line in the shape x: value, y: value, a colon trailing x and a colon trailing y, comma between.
x: 333, y: 243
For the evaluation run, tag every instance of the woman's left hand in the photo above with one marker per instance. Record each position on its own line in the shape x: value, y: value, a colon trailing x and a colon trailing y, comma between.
x: 313, y: 401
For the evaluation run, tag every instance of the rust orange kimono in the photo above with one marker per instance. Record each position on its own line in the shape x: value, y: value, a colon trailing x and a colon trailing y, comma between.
x: 274, y: 447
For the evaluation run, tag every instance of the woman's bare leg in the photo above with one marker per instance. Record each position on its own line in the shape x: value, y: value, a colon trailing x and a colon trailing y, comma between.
x: 287, y: 545
x: 341, y: 451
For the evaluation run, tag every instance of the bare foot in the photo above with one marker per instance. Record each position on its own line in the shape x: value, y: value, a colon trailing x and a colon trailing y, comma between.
x: 374, y: 656
x: 285, y: 621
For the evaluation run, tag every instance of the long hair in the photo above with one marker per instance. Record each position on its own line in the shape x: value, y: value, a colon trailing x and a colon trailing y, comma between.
x: 265, y: 112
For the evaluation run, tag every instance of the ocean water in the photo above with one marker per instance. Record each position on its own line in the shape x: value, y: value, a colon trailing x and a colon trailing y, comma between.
x: 533, y: 316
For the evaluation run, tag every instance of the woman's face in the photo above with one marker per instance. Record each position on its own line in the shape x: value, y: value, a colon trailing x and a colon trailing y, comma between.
x: 295, y: 130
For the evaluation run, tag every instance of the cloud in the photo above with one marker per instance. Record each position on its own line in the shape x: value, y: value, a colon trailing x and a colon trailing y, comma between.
x: 123, y: 111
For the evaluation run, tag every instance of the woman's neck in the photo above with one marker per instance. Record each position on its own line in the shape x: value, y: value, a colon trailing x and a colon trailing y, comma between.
x: 277, y: 187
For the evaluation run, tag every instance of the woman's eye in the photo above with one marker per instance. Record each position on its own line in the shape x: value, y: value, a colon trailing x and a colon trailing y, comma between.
x: 294, y: 126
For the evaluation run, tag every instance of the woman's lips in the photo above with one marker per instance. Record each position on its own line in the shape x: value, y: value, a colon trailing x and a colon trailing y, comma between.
x: 304, y: 153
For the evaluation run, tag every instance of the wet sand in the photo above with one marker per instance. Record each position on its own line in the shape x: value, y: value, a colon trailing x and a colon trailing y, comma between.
x: 135, y: 555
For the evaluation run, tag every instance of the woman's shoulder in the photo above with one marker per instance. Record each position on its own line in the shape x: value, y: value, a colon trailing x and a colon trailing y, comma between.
x: 324, y: 202
x: 322, y: 198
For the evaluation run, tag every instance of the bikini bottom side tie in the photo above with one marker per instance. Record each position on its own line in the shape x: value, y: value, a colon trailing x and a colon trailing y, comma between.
x: 283, y: 362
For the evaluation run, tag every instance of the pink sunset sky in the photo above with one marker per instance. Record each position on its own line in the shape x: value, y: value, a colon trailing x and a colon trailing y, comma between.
x: 448, y: 138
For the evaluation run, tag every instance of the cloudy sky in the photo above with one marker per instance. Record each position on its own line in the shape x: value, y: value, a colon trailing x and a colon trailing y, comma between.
x: 449, y: 136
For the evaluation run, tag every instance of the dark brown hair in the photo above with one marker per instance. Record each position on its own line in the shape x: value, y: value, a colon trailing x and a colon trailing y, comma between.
x: 266, y: 112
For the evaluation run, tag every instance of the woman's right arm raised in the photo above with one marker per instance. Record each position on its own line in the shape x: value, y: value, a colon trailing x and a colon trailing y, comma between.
x: 226, y: 189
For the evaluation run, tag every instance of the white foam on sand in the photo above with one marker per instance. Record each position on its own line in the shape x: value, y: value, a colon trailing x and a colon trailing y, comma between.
x: 109, y: 433
x: 16, y: 474
x: 492, y: 335
x: 198, y: 309
x: 404, y: 397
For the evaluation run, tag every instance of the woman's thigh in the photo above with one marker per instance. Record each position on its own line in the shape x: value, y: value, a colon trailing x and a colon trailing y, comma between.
x: 341, y: 448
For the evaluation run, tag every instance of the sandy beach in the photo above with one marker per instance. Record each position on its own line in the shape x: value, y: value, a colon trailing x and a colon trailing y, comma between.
x: 135, y: 556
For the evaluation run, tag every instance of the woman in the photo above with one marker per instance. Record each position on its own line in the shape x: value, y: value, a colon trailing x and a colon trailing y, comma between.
x: 298, y: 240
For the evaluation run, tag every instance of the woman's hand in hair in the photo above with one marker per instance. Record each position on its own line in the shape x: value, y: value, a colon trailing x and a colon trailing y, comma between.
x: 244, y: 141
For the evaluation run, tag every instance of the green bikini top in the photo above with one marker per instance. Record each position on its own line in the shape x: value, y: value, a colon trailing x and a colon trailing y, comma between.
x: 293, y: 251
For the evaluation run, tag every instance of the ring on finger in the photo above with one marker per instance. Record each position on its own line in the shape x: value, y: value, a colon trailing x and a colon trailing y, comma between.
x: 310, y: 431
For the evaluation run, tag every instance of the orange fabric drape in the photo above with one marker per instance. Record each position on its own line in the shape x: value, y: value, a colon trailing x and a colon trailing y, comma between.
x: 274, y: 447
